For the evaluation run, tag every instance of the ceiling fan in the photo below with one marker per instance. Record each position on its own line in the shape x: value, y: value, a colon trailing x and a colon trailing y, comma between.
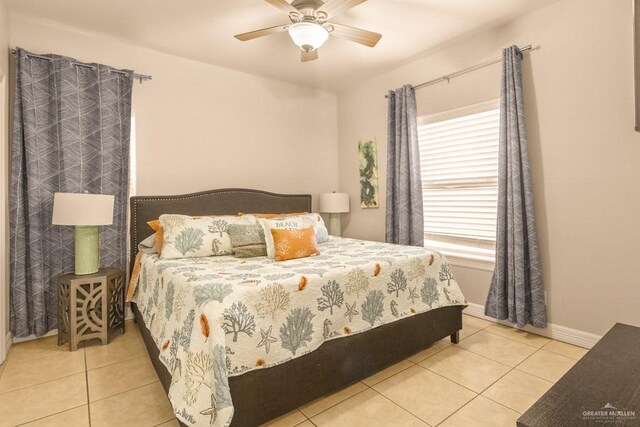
x: 309, y: 28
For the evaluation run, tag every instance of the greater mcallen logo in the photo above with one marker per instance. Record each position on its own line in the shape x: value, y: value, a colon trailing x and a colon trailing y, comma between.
x: 609, y: 414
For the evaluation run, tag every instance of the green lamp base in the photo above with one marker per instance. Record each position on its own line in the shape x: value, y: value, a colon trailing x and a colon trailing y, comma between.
x: 87, y: 239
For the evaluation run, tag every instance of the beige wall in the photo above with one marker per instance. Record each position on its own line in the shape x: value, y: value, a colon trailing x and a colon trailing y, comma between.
x: 201, y: 126
x: 583, y: 149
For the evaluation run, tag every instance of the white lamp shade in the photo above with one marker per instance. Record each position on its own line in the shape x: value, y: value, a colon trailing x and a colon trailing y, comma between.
x: 334, y: 202
x: 308, y: 35
x: 82, y: 209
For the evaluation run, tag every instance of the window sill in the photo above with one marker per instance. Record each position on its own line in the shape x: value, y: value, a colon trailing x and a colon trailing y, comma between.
x: 464, y: 256
x: 476, y: 264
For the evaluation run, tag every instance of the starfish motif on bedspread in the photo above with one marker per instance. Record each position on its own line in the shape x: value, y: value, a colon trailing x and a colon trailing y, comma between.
x: 267, y: 339
x: 211, y: 411
x: 351, y: 311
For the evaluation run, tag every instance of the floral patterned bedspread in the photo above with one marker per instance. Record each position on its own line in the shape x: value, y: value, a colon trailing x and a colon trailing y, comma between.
x: 217, y: 317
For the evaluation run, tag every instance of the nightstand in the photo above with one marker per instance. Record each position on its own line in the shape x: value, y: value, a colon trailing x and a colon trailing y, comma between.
x: 90, y: 306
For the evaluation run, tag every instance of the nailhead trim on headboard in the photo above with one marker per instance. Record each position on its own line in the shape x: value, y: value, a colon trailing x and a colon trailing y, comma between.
x: 137, y: 199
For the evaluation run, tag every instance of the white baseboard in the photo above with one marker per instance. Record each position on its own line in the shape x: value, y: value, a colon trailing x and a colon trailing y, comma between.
x: 33, y: 337
x: 6, y: 347
x: 556, y: 332
x: 128, y: 316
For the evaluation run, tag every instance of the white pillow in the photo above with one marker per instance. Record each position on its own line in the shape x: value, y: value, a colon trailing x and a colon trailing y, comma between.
x: 315, y: 220
x: 287, y: 223
x: 194, y: 237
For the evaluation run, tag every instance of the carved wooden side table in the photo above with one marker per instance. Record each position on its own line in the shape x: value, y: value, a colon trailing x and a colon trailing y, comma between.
x: 90, y: 306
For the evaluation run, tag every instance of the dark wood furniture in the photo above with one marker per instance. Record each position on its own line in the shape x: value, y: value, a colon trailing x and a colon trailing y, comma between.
x: 261, y: 395
x: 603, y: 388
x: 90, y: 306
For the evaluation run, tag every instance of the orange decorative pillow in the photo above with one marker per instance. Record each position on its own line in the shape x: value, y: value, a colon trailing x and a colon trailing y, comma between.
x: 272, y: 215
x: 135, y: 274
x: 157, y: 227
x: 293, y: 244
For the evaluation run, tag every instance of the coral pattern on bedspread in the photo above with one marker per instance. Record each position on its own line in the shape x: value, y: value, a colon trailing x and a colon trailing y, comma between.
x: 217, y: 317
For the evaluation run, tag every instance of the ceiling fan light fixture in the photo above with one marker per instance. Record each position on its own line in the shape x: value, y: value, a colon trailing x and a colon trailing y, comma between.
x: 308, y: 35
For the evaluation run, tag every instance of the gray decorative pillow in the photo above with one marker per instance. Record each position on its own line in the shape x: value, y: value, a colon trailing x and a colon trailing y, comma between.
x: 193, y: 237
x: 148, y: 245
x: 247, y: 240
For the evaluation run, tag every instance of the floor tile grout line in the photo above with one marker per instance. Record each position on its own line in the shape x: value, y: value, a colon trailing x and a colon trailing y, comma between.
x: 121, y: 361
x: 344, y: 400
x: 486, y: 357
x: 456, y: 411
x: 462, y: 385
x: 486, y: 388
x: 38, y: 384
x: 515, y: 368
x: 537, y: 376
x: 561, y: 354
x: 30, y: 360
x: 86, y: 375
x: 59, y: 349
x: 86, y: 369
x: 50, y: 415
x: 534, y: 375
x: 501, y: 404
x: 525, y: 359
x: 555, y: 354
x: 510, y: 339
x: 401, y: 407
x: 433, y: 354
x: 392, y: 375
x: 126, y: 391
x: 476, y: 354
x: 449, y: 379
x: 524, y: 343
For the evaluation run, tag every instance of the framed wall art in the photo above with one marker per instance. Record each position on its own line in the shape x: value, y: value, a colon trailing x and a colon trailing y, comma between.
x: 368, y: 163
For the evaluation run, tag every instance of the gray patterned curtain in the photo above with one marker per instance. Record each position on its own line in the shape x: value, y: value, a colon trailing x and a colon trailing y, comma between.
x: 516, y: 291
x: 71, y: 128
x: 404, y: 216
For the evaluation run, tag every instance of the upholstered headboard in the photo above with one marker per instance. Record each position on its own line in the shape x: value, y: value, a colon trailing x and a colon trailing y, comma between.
x: 227, y: 201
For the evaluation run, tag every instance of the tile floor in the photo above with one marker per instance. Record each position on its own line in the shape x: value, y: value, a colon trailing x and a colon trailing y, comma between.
x: 490, y: 378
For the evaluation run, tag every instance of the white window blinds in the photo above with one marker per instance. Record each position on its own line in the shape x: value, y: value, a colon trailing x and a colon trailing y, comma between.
x: 459, y: 165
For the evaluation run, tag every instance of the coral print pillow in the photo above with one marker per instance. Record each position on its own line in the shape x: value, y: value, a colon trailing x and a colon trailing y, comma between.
x: 193, y: 237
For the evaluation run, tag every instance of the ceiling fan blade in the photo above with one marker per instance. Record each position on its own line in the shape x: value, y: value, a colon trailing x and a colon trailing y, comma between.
x: 261, y: 33
x: 283, y: 5
x: 312, y: 55
x: 335, y: 7
x: 367, y: 38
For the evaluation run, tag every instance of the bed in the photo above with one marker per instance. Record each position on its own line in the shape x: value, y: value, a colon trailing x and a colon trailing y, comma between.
x: 259, y: 395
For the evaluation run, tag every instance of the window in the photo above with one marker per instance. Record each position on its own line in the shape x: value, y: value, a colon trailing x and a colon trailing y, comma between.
x: 459, y: 166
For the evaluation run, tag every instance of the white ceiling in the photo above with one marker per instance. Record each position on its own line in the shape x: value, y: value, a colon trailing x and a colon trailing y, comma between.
x: 203, y: 30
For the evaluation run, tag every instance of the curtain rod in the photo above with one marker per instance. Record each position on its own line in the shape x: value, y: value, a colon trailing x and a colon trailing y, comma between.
x: 448, y: 77
x: 141, y: 77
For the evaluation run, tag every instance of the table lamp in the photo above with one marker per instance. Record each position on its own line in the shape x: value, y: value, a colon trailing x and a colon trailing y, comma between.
x: 86, y: 212
x: 334, y: 204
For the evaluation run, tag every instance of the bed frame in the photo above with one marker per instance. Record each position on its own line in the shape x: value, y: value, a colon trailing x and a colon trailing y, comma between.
x: 261, y: 395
